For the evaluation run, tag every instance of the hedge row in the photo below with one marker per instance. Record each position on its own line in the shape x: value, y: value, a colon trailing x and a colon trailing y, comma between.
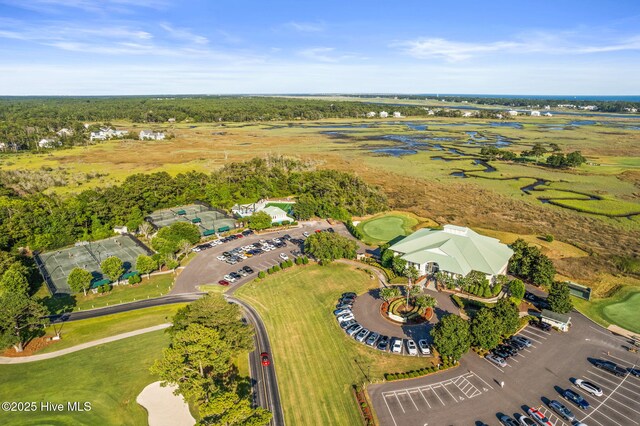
x: 388, y: 273
x: 302, y: 260
x: 353, y: 230
x: 418, y: 373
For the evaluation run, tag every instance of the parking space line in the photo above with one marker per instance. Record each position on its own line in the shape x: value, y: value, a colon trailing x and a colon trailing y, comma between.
x: 537, y: 332
x: 532, y: 338
x: 493, y: 365
x: 513, y: 359
x: 603, y: 415
x: 620, y: 414
x: 390, y: 413
x: 594, y: 420
x: 437, y: 396
x: 599, y: 330
x: 411, y: 398
x: 619, y: 359
x: 551, y: 415
x: 625, y: 388
x: 483, y: 381
x: 607, y: 398
x: 398, y: 399
x: 624, y: 404
x: 424, y: 397
x: 593, y: 373
x: 454, y: 398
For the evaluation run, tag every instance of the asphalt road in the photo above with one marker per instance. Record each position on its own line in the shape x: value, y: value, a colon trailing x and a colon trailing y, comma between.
x: 471, y: 394
x: 264, y: 382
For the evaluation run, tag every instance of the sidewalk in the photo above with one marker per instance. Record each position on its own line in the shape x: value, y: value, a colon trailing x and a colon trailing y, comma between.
x: 33, y: 358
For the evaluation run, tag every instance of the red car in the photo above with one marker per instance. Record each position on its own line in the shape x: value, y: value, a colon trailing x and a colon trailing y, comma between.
x: 265, y: 359
x: 223, y: 282
x: 239, y: 236
x: 318, y: 231
x: 539, y: 417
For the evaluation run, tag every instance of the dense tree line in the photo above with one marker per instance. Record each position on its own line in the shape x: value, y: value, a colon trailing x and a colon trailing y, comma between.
x: 45, y: 222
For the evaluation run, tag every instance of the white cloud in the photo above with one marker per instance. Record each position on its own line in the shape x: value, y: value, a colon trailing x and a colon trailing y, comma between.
x: 321, y: 54
x: 305, y: 27
x: 184, y: 34
x: 535, y: 42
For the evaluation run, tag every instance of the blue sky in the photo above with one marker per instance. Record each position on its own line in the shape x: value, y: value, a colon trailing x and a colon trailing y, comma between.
x: 84, y: 47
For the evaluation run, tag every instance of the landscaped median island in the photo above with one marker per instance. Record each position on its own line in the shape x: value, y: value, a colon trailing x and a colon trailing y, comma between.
x: 313, y: 358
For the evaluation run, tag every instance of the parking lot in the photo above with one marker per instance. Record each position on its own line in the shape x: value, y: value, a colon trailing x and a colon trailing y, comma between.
x: 205, y: 268
x: 533, y: 378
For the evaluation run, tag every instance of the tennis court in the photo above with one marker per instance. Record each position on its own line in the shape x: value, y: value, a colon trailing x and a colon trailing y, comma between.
x: 55, y: 266
x: 205, y: 218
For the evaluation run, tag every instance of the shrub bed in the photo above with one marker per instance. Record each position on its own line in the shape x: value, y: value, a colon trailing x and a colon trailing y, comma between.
x: 363, y: 403
x: 419, y: 373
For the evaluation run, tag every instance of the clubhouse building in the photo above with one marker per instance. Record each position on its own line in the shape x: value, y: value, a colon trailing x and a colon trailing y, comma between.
x: 455, y: 250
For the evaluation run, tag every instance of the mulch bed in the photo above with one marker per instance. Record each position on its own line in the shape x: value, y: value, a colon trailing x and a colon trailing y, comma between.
x: 30, y: 348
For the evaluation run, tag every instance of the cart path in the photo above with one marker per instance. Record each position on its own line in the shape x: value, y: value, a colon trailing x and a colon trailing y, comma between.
x: 40, y: 357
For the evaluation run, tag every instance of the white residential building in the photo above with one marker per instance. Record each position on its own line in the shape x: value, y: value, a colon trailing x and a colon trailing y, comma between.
x: 48, y: 143
x: 107, y: 133
x: 548, y: 114
x: 535, y: 113
x: 547, y: 107
x: 512, y: 112
x: 64, y: 132
x: 467, y: 114
x: 148, y: 134
x: 384, y: 114
x: 397, y: 114
x: 371, y: 114
x: 276, y: 213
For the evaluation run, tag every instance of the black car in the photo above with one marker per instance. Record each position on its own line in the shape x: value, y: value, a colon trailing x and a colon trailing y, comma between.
x: 349, y: 294
x: 501, y: 353
x: 248, y: 269
x: 508, y: 349
x: 611, y: 367
x: 634, y: 371
x: 286, y: 237
x: 247, y: 232
x: 508, y: 421
x: 330, y: 230
x: 541, y: 325
x: 347, y: 300
x: 235, y: 275
x: 516, y: 344
x: 383, y: 343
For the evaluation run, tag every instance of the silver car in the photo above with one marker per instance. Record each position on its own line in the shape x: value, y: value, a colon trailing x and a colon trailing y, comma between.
x: 372, y: 339
x: 562, y: 410
x: 499, y: 361
x: 362, y: 335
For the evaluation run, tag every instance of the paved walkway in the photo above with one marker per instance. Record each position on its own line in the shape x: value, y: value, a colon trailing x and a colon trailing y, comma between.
x: 40, y: 357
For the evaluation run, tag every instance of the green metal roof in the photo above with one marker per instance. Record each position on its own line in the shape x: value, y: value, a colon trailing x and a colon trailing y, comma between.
x: 100, y: 282
x: 455, y: 249
x: 556, y: 316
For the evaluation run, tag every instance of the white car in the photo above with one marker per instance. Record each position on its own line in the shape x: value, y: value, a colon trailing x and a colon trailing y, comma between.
x: 592, y: 388
x: 276, y: 240
x: 397, y: 346
x: 241, y: 256
x: 341, y: 312
x: 284, y: 256
x: 229, y: 278
x: 411, y: 347
x: 222, y: 258
x: 424, y: 347
x: 346, y: 317
x: 196, y: 249
x: 306, y: 234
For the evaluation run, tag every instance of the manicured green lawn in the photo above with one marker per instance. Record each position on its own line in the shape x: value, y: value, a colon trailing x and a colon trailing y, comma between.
x: 109, y: 376
x: 156, y: 286
x: 76, y: 332
x: 316, y: 362
x: 386, y: 227
x: 620, y: 309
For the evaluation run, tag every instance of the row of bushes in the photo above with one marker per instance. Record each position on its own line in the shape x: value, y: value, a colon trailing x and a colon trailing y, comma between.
x: 364, y: 405
x: 388, y: 273
x: 302, y: 260
x: 484, y: 291
x: 446, y: 363
x: 353, y: 230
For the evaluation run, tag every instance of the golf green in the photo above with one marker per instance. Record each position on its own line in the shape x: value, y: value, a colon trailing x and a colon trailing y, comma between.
x: 625, y: 312
x: 382, y: 229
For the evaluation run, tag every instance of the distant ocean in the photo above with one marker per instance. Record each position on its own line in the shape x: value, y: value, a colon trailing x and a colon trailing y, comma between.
x: 634, y: 98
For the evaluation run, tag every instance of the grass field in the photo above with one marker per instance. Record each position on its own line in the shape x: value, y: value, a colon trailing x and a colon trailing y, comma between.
x: 621, y: 309
x: 315, y: 361
x: 81, y: 331
x: 109, y: 376
x: 388, y: 226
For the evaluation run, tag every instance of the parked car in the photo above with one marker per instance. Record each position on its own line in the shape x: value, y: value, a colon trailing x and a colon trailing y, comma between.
x: 344, y: 306
x: 340, y: 312
x: 235, y: 275
x: 372, y: 339
x: 517, y: 344
x: 499, y: 361
x: 396, y: 347
x: 284, y: 256
x: 223, y: 258
x: 276, y: 240
x: 229, y: 278
x: 346, y: 317
x: 508, y: 421
x: 501, y: 354
x: 346, y: 324
x: 590, y: 387
x: 412, y: 349
x: 306, y: 234
x: 562, y: 410
x: 223, y: 282
x: 541, y: 325
x: 523, y: 340
x: 196, y: 249
x: 526, y: 421
x: 330, y: 230
x: 540, y: 418
x: 286, y: 237
x: 349, y: 294
x: 383, y: 343
x: 264, y: 357
x: 634, y: 371
x: 508, y: 349
x: 576, y: 398
x: 242, y: 273
x: 362, y: 334
x: 347, y: 300
x: 355, y: 328
x: 248, y: 269
x: 424, y: 347
x: 611, y: 367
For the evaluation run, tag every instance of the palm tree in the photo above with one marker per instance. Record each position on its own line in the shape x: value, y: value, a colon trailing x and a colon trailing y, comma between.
x: 411, y: 273
x: 389, y: 293
x: 145, y: 229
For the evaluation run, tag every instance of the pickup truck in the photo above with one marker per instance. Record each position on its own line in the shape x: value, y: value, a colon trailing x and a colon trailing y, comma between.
x: 611, y: 367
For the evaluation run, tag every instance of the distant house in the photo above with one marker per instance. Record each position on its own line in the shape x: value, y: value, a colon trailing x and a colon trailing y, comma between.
x: 107, y: 133
x: 171, y: 120
x: 148, y: 134
x: 371, y: 114
x: 64, y: 132
x: 498, y: 115
x: 467, y: 114
x: 48, y: 143
x: 512, y: 113
x: 384, y: 114
x: 120, y: 230
x: 430, y: 112
x: 276, y: 213
x: 548, y: 114
x: 397, y: 114
x: 547, y: 107
x: 535, y: 113
x: 560, y: 321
